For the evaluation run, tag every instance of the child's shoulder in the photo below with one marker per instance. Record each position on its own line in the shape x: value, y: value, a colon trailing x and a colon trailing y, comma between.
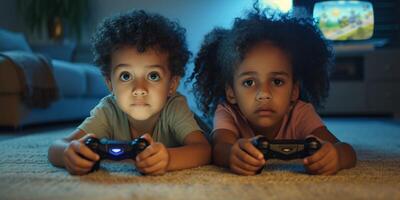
x: 107, y: 105
x: 303, y: 110
x: 302, y: 106
x: 176, y: 107
x: 107, y: 101
x: 226, y: 111
x: 228, y: 108
x: 176, y: 101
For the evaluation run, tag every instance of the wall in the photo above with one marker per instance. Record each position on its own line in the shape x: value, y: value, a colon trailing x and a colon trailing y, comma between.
x: 197, y: 16
x: 8, y: 16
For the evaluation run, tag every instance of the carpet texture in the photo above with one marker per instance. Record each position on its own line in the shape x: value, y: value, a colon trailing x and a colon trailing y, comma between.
x: 25, y: 173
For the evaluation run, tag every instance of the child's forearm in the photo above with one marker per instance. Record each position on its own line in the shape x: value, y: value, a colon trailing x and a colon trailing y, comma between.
x: 221, y: 153
x: 189, y: 156
x: 56, y: 151
x: 347, y: 155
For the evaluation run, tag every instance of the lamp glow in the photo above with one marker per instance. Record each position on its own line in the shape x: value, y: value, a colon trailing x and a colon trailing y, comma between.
x: 281, y: 5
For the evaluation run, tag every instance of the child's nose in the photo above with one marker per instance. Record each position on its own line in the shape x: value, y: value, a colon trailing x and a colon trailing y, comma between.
x: 140, y: 92
x: 139, y: 89
x: 264, y: 93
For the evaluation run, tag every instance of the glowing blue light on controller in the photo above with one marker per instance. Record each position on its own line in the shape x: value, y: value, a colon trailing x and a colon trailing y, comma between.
x: 116, y: 151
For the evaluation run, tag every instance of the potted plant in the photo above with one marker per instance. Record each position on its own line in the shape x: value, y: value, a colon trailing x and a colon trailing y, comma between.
x: 58, y: 17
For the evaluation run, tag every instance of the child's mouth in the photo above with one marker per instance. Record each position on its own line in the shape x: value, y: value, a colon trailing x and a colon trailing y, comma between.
x: 265, y: 112
x: 139, y: 103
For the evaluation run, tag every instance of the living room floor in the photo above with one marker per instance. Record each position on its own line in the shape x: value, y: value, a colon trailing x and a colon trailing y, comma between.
x: 25, y: 172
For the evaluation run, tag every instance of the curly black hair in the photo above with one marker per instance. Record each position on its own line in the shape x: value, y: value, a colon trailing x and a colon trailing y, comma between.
x: 223, y: 50
x: 142, y: 30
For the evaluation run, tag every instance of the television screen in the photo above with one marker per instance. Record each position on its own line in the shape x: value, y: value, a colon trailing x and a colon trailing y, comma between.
x: 345, y: 20
x: 281, y: 5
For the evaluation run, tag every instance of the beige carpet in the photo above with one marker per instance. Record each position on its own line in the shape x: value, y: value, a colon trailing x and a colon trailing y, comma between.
x: 26, y: 174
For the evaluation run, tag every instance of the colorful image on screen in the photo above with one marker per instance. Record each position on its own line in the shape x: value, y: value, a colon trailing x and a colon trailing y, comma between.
x: 345, y: 20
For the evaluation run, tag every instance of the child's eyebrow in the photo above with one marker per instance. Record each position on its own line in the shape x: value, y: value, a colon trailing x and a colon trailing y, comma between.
x: 156, y: 66
x: 121, y: 65
x: 277, y: 73
x: 150, y: 66
x: 247, y: 73
x: 282, y: 73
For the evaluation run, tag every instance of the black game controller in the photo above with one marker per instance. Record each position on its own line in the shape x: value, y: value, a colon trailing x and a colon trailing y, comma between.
x: 286, y: 149
x: 115, y: 150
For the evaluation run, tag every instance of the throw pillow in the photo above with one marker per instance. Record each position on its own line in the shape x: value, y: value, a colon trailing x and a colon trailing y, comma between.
x: 10, y: 41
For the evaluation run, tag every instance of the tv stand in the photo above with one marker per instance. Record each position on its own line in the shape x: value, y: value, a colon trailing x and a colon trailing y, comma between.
x: 366, y: 83
x: 353, y: 48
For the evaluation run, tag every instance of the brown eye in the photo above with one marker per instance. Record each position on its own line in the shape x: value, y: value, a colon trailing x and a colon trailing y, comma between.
x: 278, y: 82
x: 248, y: 83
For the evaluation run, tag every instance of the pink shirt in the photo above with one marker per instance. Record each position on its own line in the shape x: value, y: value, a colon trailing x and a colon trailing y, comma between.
x: 300, y: 122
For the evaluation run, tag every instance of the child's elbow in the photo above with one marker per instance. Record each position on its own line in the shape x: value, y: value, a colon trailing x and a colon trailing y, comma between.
x: 351, y: 156
x: 207, y: 153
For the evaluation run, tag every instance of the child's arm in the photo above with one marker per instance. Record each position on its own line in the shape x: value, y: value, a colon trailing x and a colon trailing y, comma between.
x: 196, y: 152
x: 156, y: 159
x: 68, y: 152
x: 333, y: 155
x: 237, y: 154
x: 223, y: 140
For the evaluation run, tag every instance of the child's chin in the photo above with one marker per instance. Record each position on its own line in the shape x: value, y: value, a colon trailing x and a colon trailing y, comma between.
x: 139, y: 113
x: 265, y: 122
x: 140, y: 117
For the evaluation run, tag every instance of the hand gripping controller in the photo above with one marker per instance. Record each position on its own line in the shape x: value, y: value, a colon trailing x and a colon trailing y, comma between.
x: 115, y: 150
x: 286, y: 149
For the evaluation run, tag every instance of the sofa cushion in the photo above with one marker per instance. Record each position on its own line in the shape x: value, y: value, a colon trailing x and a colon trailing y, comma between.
x: 13, y: 41
x: 71, y: 79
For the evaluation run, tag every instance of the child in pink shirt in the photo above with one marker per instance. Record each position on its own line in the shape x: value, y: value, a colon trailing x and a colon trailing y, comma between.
x: 263, y: 77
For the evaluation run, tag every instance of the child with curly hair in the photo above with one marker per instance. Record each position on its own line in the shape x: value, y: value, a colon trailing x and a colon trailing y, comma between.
x: 142, y: 57
x: 263, y: 77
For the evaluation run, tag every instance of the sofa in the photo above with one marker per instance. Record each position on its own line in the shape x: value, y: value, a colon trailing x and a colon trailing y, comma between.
x: 78, y: 86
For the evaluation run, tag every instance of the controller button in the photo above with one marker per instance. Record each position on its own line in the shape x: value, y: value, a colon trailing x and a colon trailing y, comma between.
x: 116, y: 151
x: 287, y: 149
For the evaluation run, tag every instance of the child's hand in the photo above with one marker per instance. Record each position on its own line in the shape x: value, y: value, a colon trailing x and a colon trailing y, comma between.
x: 154, y: 159
x: 245, y: 159
x: 78, y: 158
x: 324, y: 162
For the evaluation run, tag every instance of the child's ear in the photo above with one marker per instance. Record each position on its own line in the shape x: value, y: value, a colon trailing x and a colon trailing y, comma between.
x: 230, y: 95
x: 174, y: 85
x: 295, y: 92
x: 109, y: 84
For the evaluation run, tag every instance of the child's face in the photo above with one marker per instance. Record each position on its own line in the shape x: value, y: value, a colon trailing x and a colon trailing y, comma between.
x: 141, y: 82
x: 263, y: 86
